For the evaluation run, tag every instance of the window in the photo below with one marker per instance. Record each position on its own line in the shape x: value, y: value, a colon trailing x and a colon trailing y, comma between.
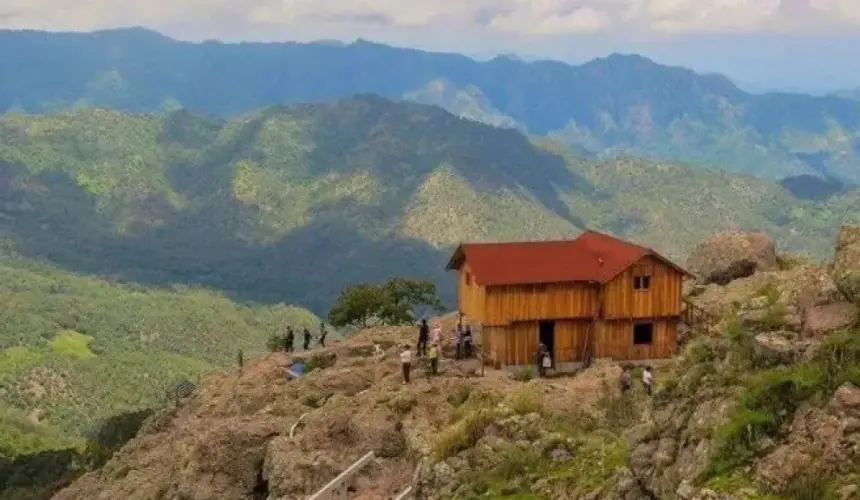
x: 641, y: 282
x: 643, y: 333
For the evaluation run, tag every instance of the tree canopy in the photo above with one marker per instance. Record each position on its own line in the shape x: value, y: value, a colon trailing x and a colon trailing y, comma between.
x: 397, y: 301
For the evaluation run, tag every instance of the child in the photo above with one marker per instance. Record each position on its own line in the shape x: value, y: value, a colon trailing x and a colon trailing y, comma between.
x: 624, y: 381
x: 647, y: 379
x: 406, y: 363
x: 433, y: 355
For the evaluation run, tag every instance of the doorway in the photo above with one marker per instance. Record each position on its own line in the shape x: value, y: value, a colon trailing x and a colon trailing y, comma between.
x: 546, y: 336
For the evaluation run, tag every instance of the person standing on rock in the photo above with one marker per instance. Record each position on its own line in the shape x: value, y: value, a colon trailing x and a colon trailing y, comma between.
x: 406, y: 363
x: 467, y: 341
x: 423, y: 337
x: 307, y: 343
x: 289, y: 340
x: 647, y: 380
x: 323, y: 333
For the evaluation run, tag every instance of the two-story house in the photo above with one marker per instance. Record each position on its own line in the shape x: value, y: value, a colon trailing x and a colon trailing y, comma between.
x: 592, y: 297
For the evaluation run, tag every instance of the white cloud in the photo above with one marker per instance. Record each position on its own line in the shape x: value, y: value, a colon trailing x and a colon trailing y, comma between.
x: 346, y: 18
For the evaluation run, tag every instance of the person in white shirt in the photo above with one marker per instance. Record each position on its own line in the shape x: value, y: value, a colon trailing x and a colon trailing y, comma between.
x: 406, y: 363
x: 647, y: 379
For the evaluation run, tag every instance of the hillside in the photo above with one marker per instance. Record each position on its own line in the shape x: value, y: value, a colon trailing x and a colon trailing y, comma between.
x: 759, y: 405
x: 75, y: 350
x: 292, y: 204
x: 619, y: 104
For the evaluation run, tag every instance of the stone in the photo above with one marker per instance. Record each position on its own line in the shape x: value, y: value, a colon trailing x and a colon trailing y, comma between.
x: 777, y: 347
x: 728, y: 256
x: 826, y: 318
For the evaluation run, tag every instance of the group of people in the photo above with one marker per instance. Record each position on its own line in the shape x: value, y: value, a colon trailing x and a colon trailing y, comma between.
x: 625, y: 381
x: 290, y: 338
x: 430, y: 346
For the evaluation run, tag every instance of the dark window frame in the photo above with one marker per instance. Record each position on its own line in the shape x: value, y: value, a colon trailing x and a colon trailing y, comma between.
x: 648, y: 333
x: 642, y: 283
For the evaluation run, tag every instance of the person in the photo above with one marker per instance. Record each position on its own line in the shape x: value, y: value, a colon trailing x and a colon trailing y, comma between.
x: 542, y: 359
x: 323, y: 333
x: 467, y: 341
x: 433, y: 355
x: 458, y: 337
x: 307, y: 334
x: 647, y: 379
x: 436, y: 336
x: 423, y: 336
x: 406, y: 363
x: 624, y: 381
x: 290, y: 339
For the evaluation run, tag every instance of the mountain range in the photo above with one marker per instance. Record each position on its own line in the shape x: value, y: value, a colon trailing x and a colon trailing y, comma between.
x: 293, y: 203
x: 613, y: 106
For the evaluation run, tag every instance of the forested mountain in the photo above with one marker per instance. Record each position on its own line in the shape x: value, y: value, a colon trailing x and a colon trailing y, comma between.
x: 292, y: 203
x: 621, y: 104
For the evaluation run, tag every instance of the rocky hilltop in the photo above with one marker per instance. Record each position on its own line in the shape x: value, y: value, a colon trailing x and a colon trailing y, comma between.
x: 762, y: 403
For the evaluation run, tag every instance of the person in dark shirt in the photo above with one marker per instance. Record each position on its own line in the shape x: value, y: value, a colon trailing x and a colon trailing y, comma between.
x: 423, y: 338
x: 323, y: 333
x: 290, y: 339
x: 467, y: 341
x: 307, y: 343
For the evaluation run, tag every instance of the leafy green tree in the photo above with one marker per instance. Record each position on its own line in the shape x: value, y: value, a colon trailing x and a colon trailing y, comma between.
x: 394, y: 302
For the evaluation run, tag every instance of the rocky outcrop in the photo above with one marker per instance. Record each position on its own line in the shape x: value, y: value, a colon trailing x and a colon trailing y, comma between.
x: 846, y: 264
x: 729, y: 256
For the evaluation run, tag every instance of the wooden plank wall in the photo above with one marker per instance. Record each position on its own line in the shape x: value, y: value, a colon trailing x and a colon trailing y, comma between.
x: 506, y: 304
x: 570, y: 338
x: 662, y: 299
x: 516, y: 344
x: 470, y: 296
x: 615, y: 340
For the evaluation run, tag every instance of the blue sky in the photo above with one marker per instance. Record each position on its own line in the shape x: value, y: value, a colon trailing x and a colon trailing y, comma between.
x: 810, y: 45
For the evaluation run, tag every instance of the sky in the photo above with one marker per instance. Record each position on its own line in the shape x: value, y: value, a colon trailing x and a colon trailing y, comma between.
x: 807, y: 45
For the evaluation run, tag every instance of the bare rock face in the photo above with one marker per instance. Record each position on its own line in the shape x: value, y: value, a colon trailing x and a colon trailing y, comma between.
x: 826, y: 318
x: 728, y: 256
x: 819, y: 441
x: 846, y: 265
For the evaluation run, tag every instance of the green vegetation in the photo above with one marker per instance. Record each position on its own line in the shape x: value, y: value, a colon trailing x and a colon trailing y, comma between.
x: 620, y: 104
x: 294, y: 204
x: 74, y: 349
x: 770, y: 396
x: 391, y: 303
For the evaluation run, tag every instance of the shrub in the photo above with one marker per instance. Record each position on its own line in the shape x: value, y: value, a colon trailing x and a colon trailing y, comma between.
x: 402, y: 403
x: 525, y: 374
x: 526, y: 400
x: 320, y: 361
x: 275, y: 343
x: 464, y: 434
x: 460, y: 396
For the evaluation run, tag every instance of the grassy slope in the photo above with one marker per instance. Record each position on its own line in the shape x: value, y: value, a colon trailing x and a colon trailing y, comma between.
x: 75, y: 349
x: 250, y: 206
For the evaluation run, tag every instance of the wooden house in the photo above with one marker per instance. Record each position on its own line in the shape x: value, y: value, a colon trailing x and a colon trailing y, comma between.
x: 592, y: 297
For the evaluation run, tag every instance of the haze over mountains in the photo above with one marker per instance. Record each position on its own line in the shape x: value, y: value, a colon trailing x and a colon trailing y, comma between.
x: 613, y: 105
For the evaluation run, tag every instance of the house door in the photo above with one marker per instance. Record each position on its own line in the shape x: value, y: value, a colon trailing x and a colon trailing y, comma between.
x: 546, y: 336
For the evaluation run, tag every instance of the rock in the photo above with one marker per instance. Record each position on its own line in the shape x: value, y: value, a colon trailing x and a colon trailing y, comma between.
x: 728, y: 256
x: 777, y: 347
x: 823, y: 319
x: 846, y: 265
x: 848, y: 492
x: 847, y: 400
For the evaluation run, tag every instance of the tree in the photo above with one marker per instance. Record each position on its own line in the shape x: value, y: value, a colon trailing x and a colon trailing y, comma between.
x: 395, y: 302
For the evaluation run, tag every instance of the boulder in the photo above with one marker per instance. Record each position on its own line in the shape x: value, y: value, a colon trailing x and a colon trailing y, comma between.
x: 777, y: 347
x: 728, y: 256
x: 826, y: 318
x: 846, y: 264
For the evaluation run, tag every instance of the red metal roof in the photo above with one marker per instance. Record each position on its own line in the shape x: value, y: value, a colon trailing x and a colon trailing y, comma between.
x: 592, y: 257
